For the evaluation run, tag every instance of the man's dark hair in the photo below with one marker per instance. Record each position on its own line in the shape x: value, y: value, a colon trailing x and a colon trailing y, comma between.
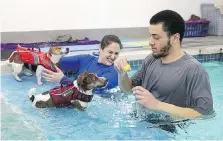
x: 108, y: 39
x: 172, y: 22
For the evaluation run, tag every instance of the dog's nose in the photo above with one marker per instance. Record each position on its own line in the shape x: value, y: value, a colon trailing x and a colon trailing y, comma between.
x: 106, y: 80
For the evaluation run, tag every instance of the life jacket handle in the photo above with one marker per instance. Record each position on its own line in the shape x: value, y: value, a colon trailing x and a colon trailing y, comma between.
x: 68, y: 80
x: 37, y: 48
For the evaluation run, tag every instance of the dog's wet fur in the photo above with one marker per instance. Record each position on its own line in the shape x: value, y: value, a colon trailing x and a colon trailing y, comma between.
x: 85, y: 83
x: 54, y: 53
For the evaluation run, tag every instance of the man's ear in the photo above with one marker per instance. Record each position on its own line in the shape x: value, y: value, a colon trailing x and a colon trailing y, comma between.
x: 174, y: 38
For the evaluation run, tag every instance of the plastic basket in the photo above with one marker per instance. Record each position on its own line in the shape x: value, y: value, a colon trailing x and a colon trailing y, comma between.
x: 209, y: 12
x: 197, y: 28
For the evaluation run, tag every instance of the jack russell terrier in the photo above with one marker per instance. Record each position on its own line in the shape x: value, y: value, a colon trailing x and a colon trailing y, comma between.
x: 77, y: 94
x: 30, y: 56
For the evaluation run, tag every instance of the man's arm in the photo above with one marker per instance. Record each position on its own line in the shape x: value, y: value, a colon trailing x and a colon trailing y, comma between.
x: 177, y: 111
x: 199, y: 92
x: 147, y: 99
x: 125, y: 83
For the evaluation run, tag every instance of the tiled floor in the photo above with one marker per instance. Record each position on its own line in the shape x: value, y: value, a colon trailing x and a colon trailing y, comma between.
x: 202, y: 41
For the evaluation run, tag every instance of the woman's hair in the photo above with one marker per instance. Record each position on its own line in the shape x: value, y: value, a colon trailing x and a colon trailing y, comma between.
x: 109, y: 39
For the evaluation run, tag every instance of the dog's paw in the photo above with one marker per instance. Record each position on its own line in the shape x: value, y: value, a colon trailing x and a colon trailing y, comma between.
x: 77, y: 104
x: 18, y: 79
x: 31, y: 92
x: 28, y: 74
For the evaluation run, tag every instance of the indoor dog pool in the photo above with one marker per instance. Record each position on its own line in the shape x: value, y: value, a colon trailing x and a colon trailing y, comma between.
x: 114, y: 118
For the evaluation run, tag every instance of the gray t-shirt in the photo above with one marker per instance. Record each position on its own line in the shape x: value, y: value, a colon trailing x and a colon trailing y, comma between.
x: 183, y: 83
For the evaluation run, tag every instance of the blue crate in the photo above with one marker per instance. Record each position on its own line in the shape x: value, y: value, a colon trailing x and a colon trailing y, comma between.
x: 198, y: 28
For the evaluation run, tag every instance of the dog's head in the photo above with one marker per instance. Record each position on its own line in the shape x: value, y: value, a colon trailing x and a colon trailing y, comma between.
x: 87, y: 81
x: 56, y: 53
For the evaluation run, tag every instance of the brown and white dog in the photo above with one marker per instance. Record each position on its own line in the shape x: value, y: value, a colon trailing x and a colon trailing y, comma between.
x: 77, y: 97
x: 54, y: 54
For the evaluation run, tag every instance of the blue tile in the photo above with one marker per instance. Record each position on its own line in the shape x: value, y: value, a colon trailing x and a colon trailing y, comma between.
x: 216, y: 59
x: 130, y: 63
x: 221, y: 57
x: 207, y: 57
x: 135, y: 64
x: 140, y: 62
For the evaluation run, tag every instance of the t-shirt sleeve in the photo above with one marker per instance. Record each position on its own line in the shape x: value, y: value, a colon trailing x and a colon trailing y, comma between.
x: 200, y: 91
x: 140, y: 73
x: 71, y: 63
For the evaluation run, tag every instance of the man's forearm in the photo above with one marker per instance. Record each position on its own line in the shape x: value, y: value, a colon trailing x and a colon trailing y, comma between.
x: 125, y: 83
x: 178, y: 111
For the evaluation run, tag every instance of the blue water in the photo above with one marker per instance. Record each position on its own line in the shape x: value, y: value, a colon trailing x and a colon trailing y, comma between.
x: 105, y: 118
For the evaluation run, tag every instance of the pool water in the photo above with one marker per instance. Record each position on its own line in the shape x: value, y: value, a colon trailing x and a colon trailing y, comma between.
x: 114, y: 118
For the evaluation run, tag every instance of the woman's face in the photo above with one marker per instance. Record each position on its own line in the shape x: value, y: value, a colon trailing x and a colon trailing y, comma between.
x: 108, y: 55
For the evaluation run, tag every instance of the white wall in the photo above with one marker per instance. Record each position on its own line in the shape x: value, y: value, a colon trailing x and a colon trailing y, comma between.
x: 35, y: 15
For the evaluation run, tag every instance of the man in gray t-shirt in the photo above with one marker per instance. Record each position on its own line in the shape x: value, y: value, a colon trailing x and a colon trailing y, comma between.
x: 169, y: 80
x: 182, y: 83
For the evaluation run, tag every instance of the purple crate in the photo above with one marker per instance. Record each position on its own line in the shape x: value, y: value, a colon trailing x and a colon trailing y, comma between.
x: 197, y: 28
x: 13, y: 46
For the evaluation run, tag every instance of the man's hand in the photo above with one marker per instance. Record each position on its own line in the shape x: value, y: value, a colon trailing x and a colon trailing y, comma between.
x: 120, y: 63
x: 145, y: 98
x: 53, y: 76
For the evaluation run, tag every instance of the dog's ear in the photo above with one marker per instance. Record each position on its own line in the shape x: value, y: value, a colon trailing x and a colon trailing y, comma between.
x: 50, y: 51
x: 19, y: 45
x: 57, y: 64
x: 13, y: 56
x: 85, y: 73
x: 82, y: 82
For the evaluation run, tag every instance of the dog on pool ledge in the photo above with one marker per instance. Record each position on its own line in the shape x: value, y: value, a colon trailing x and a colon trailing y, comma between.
x: 77, y: 94
x: 43, y: 60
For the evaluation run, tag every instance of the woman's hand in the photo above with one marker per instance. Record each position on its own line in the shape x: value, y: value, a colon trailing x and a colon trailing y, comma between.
x: 53, y: 76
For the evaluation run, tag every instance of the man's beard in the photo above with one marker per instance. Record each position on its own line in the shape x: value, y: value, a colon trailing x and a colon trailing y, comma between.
x: 164, y: 51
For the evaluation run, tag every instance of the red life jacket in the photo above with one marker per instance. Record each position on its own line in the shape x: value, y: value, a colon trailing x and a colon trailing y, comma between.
x: 35, y: 57
x: 62, y: 95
